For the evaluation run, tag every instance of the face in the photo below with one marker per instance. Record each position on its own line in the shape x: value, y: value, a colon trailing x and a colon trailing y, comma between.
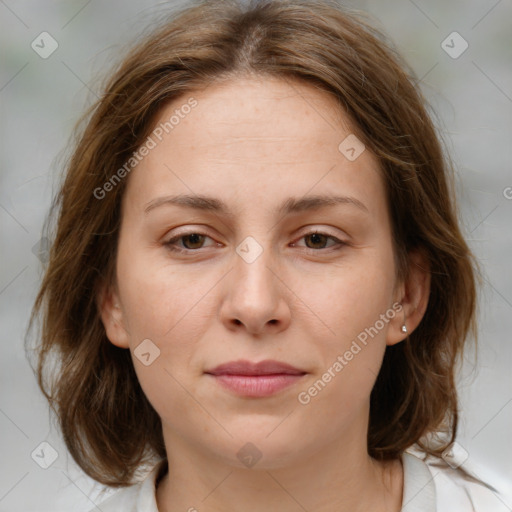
x: 257, y: 272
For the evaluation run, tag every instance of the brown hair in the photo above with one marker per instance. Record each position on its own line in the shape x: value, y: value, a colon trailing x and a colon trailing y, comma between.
x: 107, y: 422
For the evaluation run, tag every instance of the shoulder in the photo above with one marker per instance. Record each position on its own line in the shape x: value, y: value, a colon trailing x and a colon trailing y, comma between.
x: 139, y: 497
x: 450, y: 483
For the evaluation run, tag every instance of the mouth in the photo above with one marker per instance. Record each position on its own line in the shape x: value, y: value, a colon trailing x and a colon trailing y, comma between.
x: 255, y: 380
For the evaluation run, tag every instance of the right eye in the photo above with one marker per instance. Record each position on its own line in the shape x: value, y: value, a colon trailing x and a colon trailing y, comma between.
x: 192, y: 238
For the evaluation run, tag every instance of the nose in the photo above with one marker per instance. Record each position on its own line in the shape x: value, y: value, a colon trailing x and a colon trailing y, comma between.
x: 255, y: 297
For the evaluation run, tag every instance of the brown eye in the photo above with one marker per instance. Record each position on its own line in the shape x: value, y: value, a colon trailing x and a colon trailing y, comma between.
x: 317, y: 239
x: 190, y: 242
x: 194, y: 240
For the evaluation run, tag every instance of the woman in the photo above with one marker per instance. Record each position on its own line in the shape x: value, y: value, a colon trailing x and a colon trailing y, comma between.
x: 258, y: 289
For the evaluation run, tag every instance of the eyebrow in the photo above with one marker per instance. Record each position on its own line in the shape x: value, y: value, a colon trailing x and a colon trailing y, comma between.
x: 290, y: 205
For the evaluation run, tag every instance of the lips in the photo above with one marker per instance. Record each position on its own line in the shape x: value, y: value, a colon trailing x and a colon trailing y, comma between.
x: 267, y: 367
x: 255, y: 380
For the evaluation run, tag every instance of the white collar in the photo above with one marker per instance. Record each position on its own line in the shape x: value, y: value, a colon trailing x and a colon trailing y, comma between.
x: 419, y: 494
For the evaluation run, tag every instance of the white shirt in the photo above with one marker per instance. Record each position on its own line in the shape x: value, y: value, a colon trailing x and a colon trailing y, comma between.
x: 429, y: 486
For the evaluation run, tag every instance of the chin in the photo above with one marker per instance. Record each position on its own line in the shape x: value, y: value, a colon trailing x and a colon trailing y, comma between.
x: 263, y: 446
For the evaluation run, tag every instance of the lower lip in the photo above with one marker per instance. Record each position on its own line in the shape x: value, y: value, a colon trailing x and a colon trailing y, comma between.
x: 257, y: 385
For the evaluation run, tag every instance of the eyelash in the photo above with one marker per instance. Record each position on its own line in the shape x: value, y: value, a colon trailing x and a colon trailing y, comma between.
x: 170, y: 243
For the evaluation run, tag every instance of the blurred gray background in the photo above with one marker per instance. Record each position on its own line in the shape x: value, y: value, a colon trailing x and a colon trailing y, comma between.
x: 41, y: 99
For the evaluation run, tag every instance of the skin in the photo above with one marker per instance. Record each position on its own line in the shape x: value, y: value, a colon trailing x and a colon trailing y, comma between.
x: 254, y: 143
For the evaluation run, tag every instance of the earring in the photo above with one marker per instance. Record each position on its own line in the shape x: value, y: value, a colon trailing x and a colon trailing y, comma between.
x: 404, y: 327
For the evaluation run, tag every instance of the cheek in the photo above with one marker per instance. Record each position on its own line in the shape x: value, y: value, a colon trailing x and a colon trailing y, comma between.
x: 349, y: 296
x: 156, y: 294
x: 355, y: 307
x: 170, y: 305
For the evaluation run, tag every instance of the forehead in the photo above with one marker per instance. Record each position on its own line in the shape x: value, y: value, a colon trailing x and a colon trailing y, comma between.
x: 263, y: 114
x: 252, y: 139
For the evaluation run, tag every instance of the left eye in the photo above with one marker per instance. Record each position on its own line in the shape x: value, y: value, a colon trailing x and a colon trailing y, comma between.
x: 193, y: 241
x: 319, y: 238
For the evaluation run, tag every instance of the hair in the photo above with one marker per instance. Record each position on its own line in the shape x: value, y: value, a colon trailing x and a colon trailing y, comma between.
x: 108, y: 424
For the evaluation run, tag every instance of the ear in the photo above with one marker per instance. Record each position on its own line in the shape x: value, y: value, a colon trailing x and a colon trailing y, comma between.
x: 413, y: 295
x: 112, y: 316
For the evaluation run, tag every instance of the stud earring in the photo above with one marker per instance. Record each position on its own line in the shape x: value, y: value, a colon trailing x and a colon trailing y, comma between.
x: 404, y: 327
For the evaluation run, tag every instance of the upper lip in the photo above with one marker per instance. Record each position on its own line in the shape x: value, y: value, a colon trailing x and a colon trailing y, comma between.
x: 243, y: 367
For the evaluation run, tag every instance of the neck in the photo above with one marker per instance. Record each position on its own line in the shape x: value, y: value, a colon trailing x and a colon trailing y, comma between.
x: 336, y: 478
